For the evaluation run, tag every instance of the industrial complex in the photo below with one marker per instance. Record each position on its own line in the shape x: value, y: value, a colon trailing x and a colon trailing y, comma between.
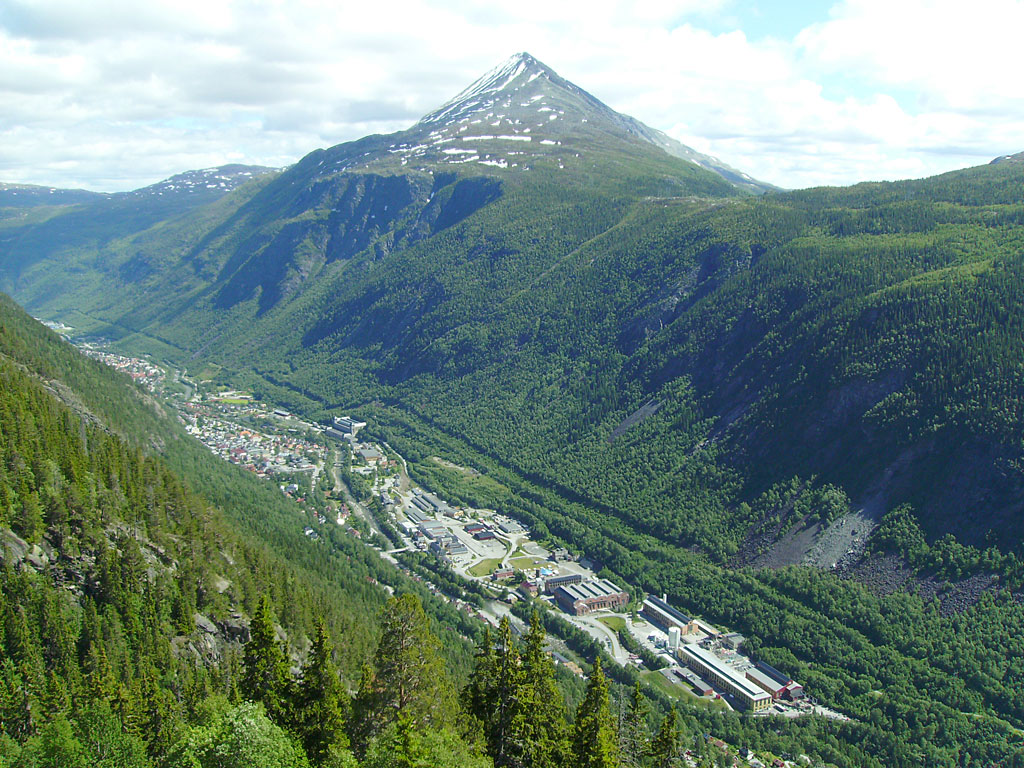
x: 699, y: 656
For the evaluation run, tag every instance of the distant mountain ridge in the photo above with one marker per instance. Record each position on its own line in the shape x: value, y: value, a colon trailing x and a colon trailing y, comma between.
x: 206, y: 183
x: 222, y: 179
x: 1017, y: 158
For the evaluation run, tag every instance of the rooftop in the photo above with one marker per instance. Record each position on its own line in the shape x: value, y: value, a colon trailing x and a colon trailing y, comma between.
x: 712, y: 661
x: 661, y: 605
x: 590, y: 589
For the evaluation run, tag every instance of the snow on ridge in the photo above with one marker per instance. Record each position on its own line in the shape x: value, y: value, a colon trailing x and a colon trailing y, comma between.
x: 494, y: 81
x: 505, y: 138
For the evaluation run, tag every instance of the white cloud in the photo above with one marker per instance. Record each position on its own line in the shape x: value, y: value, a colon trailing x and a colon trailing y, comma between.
x: 955, y: 55
x: 116, y: 94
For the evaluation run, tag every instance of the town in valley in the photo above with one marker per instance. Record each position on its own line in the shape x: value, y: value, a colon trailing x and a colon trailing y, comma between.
x: 341, y: 477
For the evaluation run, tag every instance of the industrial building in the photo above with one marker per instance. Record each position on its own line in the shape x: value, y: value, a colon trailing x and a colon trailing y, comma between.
x: 590, y: 596
x: 664, y: 616
x: 433, y: 529
x: 347, y: 425
x: 448, y: 545
x: 371, y: 455
x: 428, y: 503
x: 528, y: 588
x: 706, y: 664
x: 689, y: 676
x: 415, y: 515
x: 790, y: 688
x: 551, y: 585
x: 732, y: 640
x: 772, y: 687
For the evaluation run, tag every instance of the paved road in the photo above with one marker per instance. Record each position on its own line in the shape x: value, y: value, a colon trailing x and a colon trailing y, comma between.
x: 354, y: 505
x: 403, y: 474
x: 603, y: 633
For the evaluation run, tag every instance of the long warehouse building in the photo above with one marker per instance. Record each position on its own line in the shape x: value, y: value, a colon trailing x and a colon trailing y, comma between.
x: 663, y: 615
x: 711, y: 668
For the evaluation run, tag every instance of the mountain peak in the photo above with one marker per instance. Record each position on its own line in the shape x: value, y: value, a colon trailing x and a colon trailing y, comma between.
x: 522, y: 115
x: 509, y: 76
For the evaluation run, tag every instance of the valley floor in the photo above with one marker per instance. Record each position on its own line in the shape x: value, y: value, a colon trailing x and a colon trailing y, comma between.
x: 478, y: 545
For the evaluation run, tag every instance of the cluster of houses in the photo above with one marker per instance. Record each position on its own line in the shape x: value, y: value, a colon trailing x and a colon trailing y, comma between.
x: 264, y: 454
x: 141, y: 371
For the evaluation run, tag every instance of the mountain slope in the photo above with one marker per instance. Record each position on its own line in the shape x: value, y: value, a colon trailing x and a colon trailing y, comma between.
x: 73, y: 228
x: 668, y: 376
x: 579, y: 287
x: 336, y: 579
x: 848, y: 329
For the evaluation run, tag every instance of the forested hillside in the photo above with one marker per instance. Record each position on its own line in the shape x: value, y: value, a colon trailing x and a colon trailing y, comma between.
x: 676, y: 378
x: 125, y: 595
x: 138, y: 624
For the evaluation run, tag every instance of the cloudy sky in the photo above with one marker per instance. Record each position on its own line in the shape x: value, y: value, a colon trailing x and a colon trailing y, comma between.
x: 115, y: 94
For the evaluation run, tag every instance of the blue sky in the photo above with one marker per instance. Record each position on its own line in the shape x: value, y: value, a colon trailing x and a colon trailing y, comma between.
x: 116, y: 94
x: 780, y: 20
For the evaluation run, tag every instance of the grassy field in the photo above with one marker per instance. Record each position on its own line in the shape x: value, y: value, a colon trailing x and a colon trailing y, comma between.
x: 616, y: 623
x: 679, y: 692
x: 485, y: 567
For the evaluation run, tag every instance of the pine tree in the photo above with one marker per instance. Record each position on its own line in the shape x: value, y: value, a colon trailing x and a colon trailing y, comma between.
x: 506, y: 735
x: 665, y: 747
x: 594, y: 738
x: 322, y: 703
x: 29, y: 523
x: 633, y: 731
x: 154, y: 713
x: 265, y: 676
x: 478, y: 695
x: 99, y: 675
x: 17, y: 718
x: 546, y: 742
x: 408, y: 677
